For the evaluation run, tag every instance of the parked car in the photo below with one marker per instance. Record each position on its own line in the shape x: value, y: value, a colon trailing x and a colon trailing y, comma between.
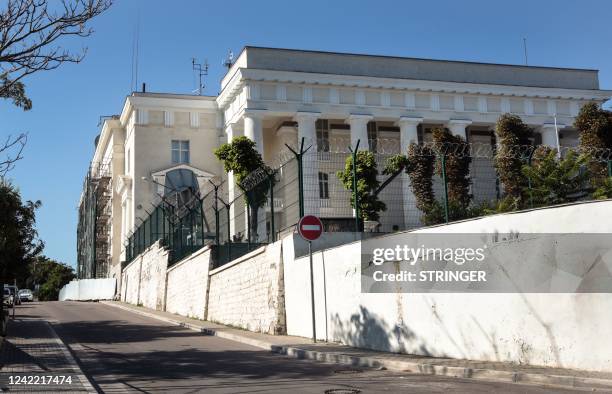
x: 12, y: 299
x: 7, y: 297
x: 26, y: 295
x: 4, y: 316
x: 14, y: 290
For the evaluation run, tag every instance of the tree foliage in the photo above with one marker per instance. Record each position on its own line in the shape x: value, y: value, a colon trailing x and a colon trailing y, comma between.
x: 457, y: 166
x: 50, y: 276
x: 19, y: 244
x: 594, y: 125
x: 513, y: 135
x: 367, y: 183
x: 555, y: 181
x: 32, y: 34
x: 421, y: 170
x: 251, y: 173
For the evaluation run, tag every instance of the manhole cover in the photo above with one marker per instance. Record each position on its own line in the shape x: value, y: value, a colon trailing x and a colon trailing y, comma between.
x: 342, y: 391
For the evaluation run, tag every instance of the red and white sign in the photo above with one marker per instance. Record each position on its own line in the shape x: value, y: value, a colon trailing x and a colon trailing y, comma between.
x: 310, y: 227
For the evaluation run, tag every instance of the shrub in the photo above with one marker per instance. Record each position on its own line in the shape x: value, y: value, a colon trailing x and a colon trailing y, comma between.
x: 553, y: 180
x: 420, y: 170
x: 594, y: 125
x: 457, y: 166
x: 513, y: 135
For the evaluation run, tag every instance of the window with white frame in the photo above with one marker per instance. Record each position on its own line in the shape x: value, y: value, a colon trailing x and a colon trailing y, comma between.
x: 323, y: 185
x: 180, y: 152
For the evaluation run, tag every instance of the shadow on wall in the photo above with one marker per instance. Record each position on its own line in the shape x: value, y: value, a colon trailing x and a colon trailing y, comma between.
x: 366, y: 330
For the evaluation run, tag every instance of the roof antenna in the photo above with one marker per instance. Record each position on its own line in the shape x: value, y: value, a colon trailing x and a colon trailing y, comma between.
x: 229, y: 60
x: 202, y: 70
x: 525, y: 49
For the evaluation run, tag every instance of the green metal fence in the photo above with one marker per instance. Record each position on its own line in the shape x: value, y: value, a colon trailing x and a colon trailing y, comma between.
x: 306, y: 181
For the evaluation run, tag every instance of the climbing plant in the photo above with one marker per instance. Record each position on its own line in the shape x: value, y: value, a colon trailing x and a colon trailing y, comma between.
x: 513, y: 137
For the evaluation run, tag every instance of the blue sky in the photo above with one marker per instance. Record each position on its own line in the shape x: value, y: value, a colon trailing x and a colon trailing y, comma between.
x: 69, y: 101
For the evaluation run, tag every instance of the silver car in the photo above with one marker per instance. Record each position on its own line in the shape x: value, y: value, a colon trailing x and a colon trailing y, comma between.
x: 25, y: 295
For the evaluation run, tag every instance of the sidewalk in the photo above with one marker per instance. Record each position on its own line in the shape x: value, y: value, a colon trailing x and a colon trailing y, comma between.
x: 334, y: 353
x: 34, y: 359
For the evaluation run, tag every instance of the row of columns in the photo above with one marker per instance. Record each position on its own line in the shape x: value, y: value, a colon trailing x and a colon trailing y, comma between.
x: 306, y: 128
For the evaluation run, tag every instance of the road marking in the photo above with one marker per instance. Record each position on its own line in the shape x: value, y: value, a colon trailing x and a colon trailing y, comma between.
x: 75, y: 366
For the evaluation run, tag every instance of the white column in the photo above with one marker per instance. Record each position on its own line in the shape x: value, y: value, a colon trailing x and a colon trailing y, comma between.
x: 549, y: 134
x: 359, y: 130
x: 408, y: 135
x: 307, y: 129
x: 253, y: 129
x: 231, y: 191
x: 408, y: 132
x: 458, y: 127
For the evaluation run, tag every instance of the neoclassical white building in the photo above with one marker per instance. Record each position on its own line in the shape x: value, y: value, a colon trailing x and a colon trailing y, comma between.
x: 278, y: 96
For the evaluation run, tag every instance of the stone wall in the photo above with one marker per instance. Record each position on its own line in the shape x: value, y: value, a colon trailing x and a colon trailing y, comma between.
x: 187, y: 285
x: 144, y: 279
x: 249, y: 292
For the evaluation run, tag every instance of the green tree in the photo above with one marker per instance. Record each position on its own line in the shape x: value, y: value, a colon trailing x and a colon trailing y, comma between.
x: 251, y: 173
x: 51, y: 276
x: 513, y: 141
x: 458, y: 162
x: 420, y: 169
x: 19, y: 243
x: 367, y: 184
x: 594, y: 125
x: 553, y: 180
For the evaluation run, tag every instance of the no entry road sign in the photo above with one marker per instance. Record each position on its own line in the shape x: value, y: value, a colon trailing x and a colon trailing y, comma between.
x: 310, y: 227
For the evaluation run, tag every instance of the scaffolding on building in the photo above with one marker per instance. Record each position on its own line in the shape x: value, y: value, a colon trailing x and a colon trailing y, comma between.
x: 94, y: 227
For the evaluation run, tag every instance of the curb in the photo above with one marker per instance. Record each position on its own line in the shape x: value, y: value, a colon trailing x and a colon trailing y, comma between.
x: 424, y: 368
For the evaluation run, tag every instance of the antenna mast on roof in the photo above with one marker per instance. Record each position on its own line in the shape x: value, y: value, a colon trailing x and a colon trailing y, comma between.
x: 229, y: 60
x: 525, y: 49
x: 202, y: 70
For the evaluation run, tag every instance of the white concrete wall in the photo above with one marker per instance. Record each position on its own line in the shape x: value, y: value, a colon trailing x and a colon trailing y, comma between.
x: 557, y: 330
x: 144, y: 279
x: 248, y: 293
x: 88, y: 290
x: 187, y: 285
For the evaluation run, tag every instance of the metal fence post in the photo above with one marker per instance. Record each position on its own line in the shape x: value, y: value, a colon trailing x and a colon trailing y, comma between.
x: 217, y: 221
x: 229, y: 241
x: 299, y: 157
x: 272, y: 229
x: 445, y: 186
x: 247, y: 211
x: 609, y: 168
x: 355, y: 193
x: 529, y: 179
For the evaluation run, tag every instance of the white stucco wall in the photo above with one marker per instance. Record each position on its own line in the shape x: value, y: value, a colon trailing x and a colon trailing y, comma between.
x: 248, y: 293
x: 187, y: 285
x: 557, y: 330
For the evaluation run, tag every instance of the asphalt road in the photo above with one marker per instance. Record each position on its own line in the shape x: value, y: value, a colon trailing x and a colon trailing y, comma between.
x: 124, y: 352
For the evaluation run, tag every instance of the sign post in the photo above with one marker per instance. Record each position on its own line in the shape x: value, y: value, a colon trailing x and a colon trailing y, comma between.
x: 310, y: 228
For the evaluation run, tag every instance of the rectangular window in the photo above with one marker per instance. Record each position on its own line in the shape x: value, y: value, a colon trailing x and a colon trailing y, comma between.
x: 372, y: 136
x: 180, y: 152
x: 322, y: 126
x: 323, y: 185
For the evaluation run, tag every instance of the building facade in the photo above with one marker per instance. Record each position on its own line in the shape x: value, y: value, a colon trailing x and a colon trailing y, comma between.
x: 278, y: 96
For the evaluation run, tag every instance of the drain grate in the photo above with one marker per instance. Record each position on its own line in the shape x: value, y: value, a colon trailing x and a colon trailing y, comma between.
x: 342, y: 391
